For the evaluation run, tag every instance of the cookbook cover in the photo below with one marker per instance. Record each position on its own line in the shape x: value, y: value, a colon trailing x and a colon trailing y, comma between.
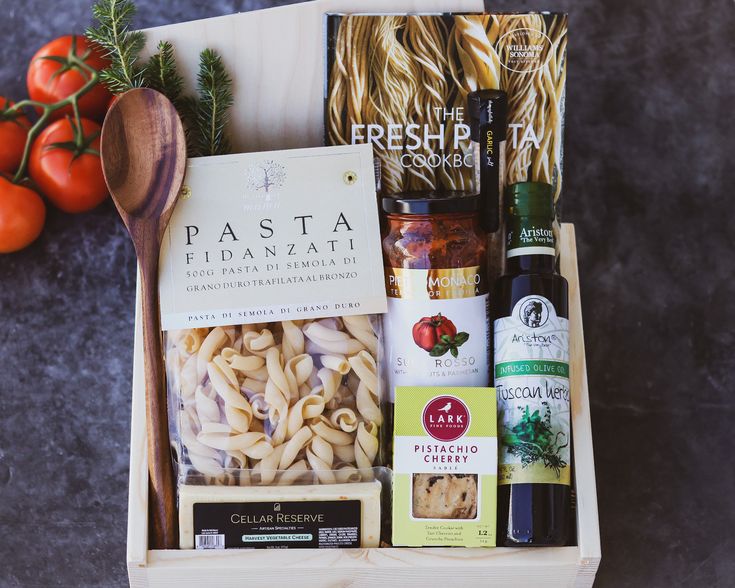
x: 401, y: 83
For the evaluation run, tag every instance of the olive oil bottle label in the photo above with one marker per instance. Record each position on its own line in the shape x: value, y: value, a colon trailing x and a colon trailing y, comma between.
x: 532, y: 382
x: 437, y: 331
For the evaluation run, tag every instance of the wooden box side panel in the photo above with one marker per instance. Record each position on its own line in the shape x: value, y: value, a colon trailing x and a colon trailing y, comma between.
x: 375, y: 568
x: 137, y: 545
x: 588, y: 526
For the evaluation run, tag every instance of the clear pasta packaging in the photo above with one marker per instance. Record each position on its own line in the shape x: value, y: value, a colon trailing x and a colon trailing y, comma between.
x: 292, y: 402
x: 287, y: 411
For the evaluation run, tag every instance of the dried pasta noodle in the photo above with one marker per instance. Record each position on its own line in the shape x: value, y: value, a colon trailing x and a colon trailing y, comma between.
x: 277, y: 403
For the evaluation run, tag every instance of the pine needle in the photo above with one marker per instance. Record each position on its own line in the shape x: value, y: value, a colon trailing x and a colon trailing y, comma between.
x: 121, y: 45
x: 214, y: 86
x: 161, y: 73
x: 205, y: 117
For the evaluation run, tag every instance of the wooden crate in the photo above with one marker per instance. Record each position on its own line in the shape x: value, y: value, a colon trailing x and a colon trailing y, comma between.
x: 306, y: 568
x: 276, y: 57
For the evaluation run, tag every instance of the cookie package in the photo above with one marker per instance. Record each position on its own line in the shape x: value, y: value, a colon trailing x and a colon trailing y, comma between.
x: 445, y: 467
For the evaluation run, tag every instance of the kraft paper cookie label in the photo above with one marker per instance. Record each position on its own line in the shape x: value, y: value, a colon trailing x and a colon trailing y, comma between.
x: 281, y: 235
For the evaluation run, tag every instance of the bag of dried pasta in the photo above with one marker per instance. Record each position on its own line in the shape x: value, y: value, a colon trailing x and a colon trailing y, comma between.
x: 276, y: 403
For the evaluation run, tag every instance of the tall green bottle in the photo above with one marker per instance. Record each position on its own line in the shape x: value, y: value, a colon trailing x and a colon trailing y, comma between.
x: 531, y: 372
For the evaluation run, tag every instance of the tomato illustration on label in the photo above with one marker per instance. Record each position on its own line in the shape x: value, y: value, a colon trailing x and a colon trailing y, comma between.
x: 437, y: 335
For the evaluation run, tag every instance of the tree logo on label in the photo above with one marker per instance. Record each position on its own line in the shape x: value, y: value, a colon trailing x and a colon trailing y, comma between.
x: 446, y: 418
x: 534, y: 313
x: 265, y: 180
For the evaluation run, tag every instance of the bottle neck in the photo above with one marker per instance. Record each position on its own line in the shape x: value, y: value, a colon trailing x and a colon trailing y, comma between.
x: 530, y: 245
x: 531, y: 264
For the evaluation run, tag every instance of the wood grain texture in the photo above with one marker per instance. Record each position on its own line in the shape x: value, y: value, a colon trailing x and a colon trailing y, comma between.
x: 516, y: 567
x: 588, y: 525
x: 137, y: 544
x: 144, y: 158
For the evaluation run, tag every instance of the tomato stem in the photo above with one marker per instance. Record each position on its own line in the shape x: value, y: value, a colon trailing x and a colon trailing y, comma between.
x: 48, y: 109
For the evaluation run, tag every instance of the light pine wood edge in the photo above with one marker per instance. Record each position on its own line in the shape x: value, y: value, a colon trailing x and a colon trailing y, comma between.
x: 375, y: 568
x: 137, y: 547
x: 588, y: 526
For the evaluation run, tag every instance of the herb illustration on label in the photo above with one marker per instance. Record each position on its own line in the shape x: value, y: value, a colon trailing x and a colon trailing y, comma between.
x: 532, y: 382
x: 533, y: 440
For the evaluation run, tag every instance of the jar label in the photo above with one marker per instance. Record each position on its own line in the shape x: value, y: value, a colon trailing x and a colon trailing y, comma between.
x: 437, y: 331
x: 532, y: 383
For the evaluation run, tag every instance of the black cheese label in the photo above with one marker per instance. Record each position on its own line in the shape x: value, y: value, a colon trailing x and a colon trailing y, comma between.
x: 277, y: 525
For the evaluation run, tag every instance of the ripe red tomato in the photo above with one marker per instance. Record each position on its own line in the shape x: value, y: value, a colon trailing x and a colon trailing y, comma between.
x: 70, y: 178
x: 22, y: 214
x: 429, y: 330
x: 13, y: 133
x: 49, y: 79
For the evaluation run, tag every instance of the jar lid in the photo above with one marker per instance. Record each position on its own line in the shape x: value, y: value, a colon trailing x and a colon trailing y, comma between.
x: 530, y: 199
x: 432, y: 202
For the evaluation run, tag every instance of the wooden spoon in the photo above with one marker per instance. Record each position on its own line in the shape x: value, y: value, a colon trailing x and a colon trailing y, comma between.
x: 144, y: 159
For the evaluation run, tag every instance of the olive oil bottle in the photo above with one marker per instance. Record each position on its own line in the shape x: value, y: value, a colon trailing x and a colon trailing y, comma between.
x: 531, y: 373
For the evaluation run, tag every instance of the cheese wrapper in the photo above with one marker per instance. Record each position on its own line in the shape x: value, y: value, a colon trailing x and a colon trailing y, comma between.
x: 226, y: 517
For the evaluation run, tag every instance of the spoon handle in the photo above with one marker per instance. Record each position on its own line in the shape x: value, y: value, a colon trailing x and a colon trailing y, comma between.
x: 163, y: 532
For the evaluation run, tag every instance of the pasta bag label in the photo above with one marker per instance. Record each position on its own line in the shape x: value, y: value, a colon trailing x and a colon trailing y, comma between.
x: 445, y: 467
x: 276, y: 236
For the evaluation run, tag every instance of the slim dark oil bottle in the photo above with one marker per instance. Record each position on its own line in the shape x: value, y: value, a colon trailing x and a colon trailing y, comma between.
x: 531, y: 374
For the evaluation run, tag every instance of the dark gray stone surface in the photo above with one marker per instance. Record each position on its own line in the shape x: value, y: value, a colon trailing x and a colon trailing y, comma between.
x: 648, y: 184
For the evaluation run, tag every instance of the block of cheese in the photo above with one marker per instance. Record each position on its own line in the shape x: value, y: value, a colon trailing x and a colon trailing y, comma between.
x: 329, y: 515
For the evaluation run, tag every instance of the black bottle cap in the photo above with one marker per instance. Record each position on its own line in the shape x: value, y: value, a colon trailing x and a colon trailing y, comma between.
x: 487, y: 106
x: 432, y: 202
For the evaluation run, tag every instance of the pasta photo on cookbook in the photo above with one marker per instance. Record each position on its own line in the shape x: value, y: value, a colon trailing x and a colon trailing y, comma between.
x: 401, y: 82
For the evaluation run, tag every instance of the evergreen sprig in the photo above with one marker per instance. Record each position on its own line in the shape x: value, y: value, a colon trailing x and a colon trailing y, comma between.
x: 207, y: 133
x: 205, y: 117
x: 161, y: 73
x: 121, y: 45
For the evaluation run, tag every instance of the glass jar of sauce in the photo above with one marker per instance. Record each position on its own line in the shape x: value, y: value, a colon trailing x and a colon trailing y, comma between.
x: 437, y: 330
